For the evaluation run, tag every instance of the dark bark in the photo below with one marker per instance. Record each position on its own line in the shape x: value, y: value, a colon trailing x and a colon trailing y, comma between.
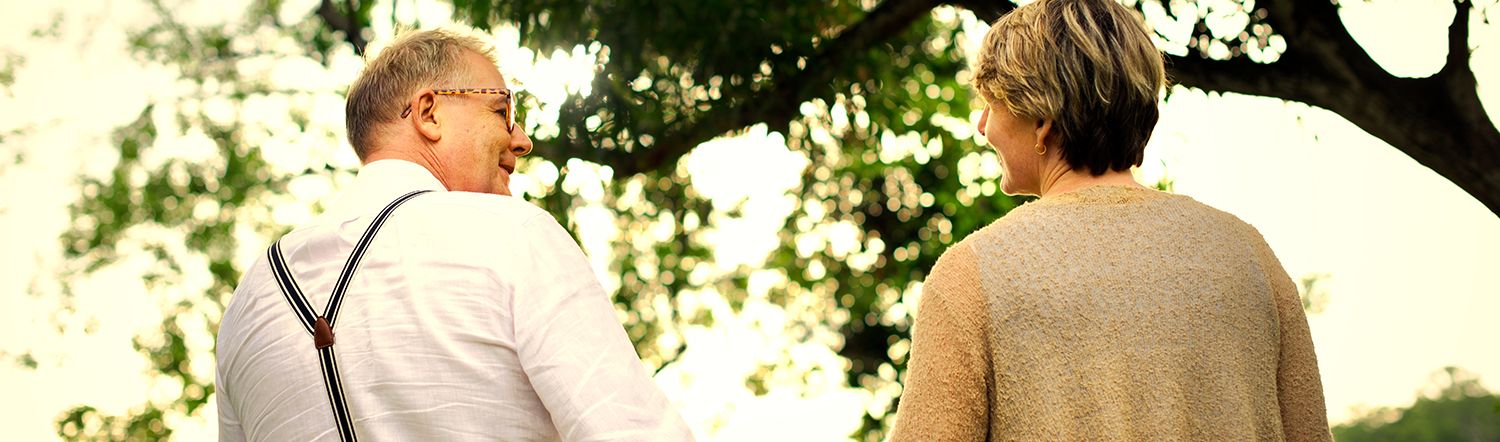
x: 1437, y: 120
x: 346, y: 22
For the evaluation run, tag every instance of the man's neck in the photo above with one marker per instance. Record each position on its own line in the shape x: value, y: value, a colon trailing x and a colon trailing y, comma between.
x: 420, y: 157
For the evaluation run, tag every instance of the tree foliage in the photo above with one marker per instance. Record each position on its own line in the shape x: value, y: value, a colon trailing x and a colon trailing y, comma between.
x: 1461, y: 410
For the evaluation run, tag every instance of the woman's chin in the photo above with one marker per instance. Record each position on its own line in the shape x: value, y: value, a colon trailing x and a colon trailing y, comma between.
x: 1011, y: 189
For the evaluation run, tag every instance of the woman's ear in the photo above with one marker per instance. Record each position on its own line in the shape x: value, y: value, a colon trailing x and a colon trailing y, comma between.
x: 1044, y: 133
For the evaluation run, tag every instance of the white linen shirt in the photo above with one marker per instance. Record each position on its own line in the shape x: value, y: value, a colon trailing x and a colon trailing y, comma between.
x: 471, y: 317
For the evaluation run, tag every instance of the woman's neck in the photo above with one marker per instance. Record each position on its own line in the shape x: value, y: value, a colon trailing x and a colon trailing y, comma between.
x: 1068, y: 180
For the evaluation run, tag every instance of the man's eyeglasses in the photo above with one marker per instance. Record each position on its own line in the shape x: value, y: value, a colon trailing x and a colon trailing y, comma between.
x: 510, y: 102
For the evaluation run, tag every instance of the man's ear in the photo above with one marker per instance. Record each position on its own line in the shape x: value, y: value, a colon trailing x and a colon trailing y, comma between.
x: 424, y: 105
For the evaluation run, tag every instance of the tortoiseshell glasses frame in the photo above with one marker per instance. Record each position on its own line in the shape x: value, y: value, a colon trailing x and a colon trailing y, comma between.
x: 510, y: 101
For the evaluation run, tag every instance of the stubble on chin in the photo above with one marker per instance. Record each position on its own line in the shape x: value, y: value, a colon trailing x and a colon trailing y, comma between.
x: 502, y: 184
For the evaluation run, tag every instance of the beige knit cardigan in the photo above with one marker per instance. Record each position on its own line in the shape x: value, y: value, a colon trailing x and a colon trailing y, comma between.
x: 1111, y: 313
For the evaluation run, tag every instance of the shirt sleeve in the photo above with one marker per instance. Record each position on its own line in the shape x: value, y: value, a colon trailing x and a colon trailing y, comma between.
x: 574, y: 350
x: 949, y: 374
x: 230, y: 429
x: 1299, y: 388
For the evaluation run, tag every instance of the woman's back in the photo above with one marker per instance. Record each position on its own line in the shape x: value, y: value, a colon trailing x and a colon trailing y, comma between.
x: 1117, y: 313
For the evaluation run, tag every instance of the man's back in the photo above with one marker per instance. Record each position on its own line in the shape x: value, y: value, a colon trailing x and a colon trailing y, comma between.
x: 471, y: 316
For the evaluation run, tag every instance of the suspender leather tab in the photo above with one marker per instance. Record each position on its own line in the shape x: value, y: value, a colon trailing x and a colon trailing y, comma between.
x: 322, y: 334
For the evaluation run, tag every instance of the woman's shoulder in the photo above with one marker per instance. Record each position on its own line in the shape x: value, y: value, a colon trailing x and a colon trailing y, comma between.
x: 1006, y: 236
x: 1121, y: 202
x: 1094, y: 215
x: 1214, y: 218
x: 1019, y: 222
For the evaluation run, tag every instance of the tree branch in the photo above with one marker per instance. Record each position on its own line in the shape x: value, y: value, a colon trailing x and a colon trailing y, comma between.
x: 985, y: 10
x: 1437, y: 120
x: 348, y: 24
x: 779, y: 104
x: 775, y: 105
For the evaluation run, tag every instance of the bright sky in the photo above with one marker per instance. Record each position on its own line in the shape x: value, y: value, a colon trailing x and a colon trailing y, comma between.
x: 1410, y: 256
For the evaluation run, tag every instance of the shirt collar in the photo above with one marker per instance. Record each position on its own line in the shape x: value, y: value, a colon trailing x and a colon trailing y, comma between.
x: 377, y: 184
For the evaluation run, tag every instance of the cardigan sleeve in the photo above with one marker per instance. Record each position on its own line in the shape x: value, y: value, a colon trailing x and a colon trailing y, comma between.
x: 1299, y: 388
x: 949, y: 374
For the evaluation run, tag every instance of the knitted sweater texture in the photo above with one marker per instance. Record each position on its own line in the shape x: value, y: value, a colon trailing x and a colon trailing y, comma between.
x: 1111, y: 313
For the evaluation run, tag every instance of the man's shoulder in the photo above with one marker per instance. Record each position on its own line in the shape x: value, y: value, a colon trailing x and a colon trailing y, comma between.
x: 471, y: 207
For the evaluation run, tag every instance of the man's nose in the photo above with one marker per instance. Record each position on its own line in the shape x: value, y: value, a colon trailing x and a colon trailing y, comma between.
x: 520, y: 144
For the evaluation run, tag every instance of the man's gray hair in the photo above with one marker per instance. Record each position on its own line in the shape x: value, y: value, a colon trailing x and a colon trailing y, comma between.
x: 413, y: 60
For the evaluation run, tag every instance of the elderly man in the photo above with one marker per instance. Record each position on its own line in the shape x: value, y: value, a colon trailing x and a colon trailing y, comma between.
x: 466, y: 314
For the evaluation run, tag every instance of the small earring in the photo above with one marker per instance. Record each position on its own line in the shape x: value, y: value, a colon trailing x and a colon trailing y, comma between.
x: 1040, y: 149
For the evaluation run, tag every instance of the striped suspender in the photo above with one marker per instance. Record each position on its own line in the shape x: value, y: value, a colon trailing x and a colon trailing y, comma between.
x: 321, y: 326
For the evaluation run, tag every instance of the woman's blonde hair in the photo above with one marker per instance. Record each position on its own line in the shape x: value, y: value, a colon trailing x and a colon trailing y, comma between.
x: 1087, y: 65
x: 413, y: 60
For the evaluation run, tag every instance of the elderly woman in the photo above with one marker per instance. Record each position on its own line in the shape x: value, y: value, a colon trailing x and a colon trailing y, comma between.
x: 1105, y: 310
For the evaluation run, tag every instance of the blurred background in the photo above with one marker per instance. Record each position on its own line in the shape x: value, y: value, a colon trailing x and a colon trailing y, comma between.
x: 760, y: 185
